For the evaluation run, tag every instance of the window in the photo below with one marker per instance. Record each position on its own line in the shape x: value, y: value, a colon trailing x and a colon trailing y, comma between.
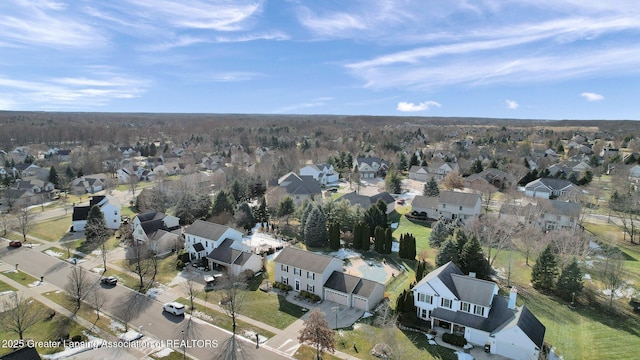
x: 460, y: 208
x: 115, y: 212
x: 424, y: 314
x: 446, y: 303
x: 424, y: 298
x: 310, y: 288
x: 283, y: 267
x: 478, y: 310
x: 444, y: 206
x: 285, y: 280
x: 466, y: 307
x: 115, y: 221
x: 297, y: 271
x: 311, y: 275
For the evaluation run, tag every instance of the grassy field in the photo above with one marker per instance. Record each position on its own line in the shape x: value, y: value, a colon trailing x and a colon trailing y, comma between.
x: 309, y: 353
x: 52, y: 230
x: 20, y: 277
x: 166, y: 268
x: 224, y: 321
x: 45, y: 330
x: 6, y: 287
x: 86, y: 312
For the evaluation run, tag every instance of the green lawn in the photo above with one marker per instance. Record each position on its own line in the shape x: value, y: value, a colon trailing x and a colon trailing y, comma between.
x: 6, y: 287
x: 45, y: 330
x: 421, y: 233
x: 166, y: 269
x: 52, y: 230
x: 20, y: 277
x: 224, y: 321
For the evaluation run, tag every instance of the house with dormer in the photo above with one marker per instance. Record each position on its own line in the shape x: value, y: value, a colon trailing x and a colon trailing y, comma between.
x: 89, y: 184
x: 462, y: 304
x: 323, y: 276
x: 370, y: 167
x: 322, y: 173
x: 159, y: 231
x: 300, y: 188
x: 221, y: 246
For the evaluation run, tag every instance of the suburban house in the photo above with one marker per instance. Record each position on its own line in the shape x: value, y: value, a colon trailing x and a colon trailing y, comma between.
x: 300, y: 188
x: 109, y: 206
x: 221, y: 246
x: 25, y: 169
x: 34, y: 185
x: 546, y: 215
x: 440, y: 170
x: 495, y: 177
x: 159, y: 231
x: 472, y: 308
x: 634, y: 173
x: 370, y: 167
x: 89, y: 184
x: 322, y: 173
x: 366, y: 201
x: 547, y: 188
x: 448, y: 205
x: 419, y: 173
x: 323, y: 275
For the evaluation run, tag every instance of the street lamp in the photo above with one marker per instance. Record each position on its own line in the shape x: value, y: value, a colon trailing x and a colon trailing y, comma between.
x: 184, y: 347
x: 336, y: 309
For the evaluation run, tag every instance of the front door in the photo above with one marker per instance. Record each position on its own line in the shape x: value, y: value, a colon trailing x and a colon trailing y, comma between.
x: 297, y: 285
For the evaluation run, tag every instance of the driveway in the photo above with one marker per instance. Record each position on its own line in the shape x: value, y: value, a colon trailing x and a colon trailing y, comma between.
x: 345, y: 316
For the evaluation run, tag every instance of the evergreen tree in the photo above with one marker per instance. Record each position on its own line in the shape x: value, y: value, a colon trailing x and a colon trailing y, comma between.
x: 261, y: 213
x: 379, y: 239
x: 315, y: 230
x: 414, y: 160
x: 388, y: 243
x: 431, y: 188
x: 70, y: 173
x: 392, y: 182
x: 305, y: 215
x: 53, y: 177
x: 448, y: 252
x: 422, y: 269
x: 472, y: 259
x: 570, y: 281
x: 477, y: 167
x: 244, y: 217
x: 402, y: 162
x: 440, y: 231
x: 96, y: 230
x: 461, y: 239
x: 545, y: 270
x: 357, y: 236
x: 334, y: 236
x: 222, y: 203
x: 407, y: 248
x: 375, y: 217
x: 286, y: 207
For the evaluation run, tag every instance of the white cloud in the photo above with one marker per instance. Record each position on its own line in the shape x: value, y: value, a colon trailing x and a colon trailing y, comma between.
x: 411, y: 107
x: 512, y: 104
x: 592, y: 96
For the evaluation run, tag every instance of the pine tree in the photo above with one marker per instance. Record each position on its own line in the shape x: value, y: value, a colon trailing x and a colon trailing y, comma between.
x: 476, y: 167
x: 96, y: 230
x: 305, y: 214
x: 472, y: 259
x: 357, y: 236
x: 379, y: 239
x: 53, y: 176
x: 392, y: 182
x: 388, y: 243
x: 545, y: 270
x: 570, y: 281
x: 334, y: 236
x: 448, y: 252
x: 422, y: 269
x: 440, y: 231
x: 431, y: 188
x: 315, y: 230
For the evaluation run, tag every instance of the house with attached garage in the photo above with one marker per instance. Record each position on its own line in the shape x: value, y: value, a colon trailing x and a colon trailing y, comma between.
x: 300, y: 188
x: 367, y: 201
x: 323, y: 275
x: 548, y: 188
x: 449, y: 205
x: 419, y: 173
x: 109, y: 206
x: 322, y: 173
x: 157, y: 230
x: 370, y: 167
x: 471, y: 307
x: 221, y: 246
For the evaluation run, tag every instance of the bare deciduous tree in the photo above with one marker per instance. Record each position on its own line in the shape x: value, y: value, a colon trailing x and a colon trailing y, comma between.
x: 19, y: 314
x: 316, y: 330
x: 192, y: 290
x: 144, y: 263
x: 77, y: 286
x: 453, y: 180
x: 495, y: 233
x: 25, y: 222
x: 612, y: 275
x: 570, y: 244
x: 97, y: 299
x: 232, y: 297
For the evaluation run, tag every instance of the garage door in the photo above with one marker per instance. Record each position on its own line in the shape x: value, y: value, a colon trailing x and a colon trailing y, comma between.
x: 360, y: 303
x: 336, y: 297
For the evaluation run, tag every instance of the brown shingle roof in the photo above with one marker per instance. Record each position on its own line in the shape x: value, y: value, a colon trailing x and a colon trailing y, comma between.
x: 305, y: 260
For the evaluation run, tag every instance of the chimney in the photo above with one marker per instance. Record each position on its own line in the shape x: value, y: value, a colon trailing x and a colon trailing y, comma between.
x: 512, y: 298
x: 472, y: 274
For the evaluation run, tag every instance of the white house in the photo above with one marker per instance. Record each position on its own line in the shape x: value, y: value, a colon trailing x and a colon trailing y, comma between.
x: 370, y: 167
x: 472, y: 308
x: 109, y: 206
x: 546, y: 215
x: 459, y: 205
x: 159, y: 231
x: 441, y: 170
x: 202, y: 237
x: 322, y: 275
x: 634, y: 173
x: 322, y: 173
x: 548, y: 188
x: 419, y: 173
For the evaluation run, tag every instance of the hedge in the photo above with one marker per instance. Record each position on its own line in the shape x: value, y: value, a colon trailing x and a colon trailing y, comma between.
x: 454, y: 339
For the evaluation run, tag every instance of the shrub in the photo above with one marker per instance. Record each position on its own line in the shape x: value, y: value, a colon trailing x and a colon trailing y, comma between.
x: 454, y: 339
x: 179, y: 264
x: 315, y: 298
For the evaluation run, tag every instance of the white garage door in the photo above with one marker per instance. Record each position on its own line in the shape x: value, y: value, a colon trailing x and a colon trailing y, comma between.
x: 336, y: 297
x: 360, y: 303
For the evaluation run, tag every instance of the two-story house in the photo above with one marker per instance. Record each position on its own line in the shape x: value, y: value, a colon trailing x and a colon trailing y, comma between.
x: 370, y: 167
x: 159, y: 231
x: 440, y: 170
x: 472, y: 308
x: 419, y: 173
x: 367, y: 201
x: 546, y: 215
x: 323, y: 275
x: 109, y: 206
x: 459, y: 205
x: 322, y: 173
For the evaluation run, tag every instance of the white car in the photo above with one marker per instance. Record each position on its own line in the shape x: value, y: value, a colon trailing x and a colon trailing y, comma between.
x: 174, y: 308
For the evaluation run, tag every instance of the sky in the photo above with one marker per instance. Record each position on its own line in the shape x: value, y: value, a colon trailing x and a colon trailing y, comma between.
x: 525, y: 59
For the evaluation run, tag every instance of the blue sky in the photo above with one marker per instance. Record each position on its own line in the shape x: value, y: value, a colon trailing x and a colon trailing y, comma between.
x: 542, y: 59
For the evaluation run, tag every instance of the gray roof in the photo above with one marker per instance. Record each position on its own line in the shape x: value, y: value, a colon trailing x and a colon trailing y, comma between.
x: 365, y: 287
x: 150, y: 215
x: 472, y: 290
x: 561, y: 207
x: 305, y: 260
x: 531, y: 326
x: 498, y: 315
x: 198, y: 247
x: 552, y: 184
x: 205, y: 229
x: 426, y: 202
x: 300, y: 185
x: 224, y: 253
x: 366, y: 201
x: 342, y: 282
x: 458, y: 198
x: 444, y: 273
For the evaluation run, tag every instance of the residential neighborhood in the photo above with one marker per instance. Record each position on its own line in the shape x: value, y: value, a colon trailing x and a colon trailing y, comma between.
x: 451, y: 242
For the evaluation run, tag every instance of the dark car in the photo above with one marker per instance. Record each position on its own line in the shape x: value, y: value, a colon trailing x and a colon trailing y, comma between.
x: 15, y: 244
x: 109, y: 280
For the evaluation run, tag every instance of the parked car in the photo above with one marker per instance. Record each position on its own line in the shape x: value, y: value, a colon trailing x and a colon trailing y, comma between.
x: 15, y: 244
x: 174, y: 308
x: 400, y: 201
x: 109, y: 280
